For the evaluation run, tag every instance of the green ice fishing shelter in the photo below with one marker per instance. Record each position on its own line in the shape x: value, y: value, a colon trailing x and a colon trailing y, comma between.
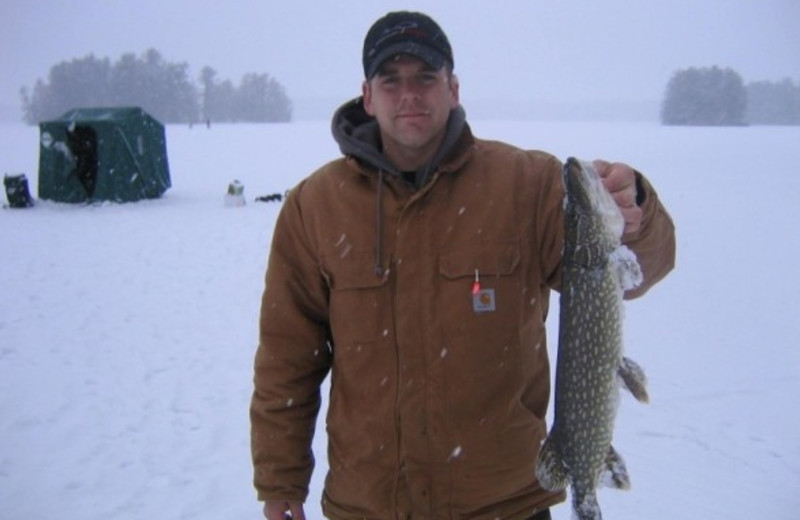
x: 96, y: 154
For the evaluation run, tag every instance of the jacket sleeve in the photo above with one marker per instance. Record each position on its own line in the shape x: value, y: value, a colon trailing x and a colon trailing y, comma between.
x: 654, y: 242
x: 292, y: 360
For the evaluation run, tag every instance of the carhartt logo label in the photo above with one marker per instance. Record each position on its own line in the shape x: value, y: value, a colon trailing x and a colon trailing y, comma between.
x: 483, y: 300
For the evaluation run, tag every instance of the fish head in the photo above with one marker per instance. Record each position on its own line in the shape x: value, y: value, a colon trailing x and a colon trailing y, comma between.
x: 593, y: 222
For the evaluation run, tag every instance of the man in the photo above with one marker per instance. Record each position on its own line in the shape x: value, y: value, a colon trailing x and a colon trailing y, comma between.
x: 437, y: 398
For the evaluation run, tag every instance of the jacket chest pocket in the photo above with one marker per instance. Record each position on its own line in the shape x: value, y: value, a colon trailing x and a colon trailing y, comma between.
x: 492, y: 258
x: 358, y: 306
x: 480, y: 285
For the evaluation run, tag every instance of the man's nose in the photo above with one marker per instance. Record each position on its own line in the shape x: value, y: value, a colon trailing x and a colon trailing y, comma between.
x: 410, y: 87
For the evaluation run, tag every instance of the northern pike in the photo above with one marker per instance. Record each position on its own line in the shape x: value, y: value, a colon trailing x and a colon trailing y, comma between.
x: 590, y: 368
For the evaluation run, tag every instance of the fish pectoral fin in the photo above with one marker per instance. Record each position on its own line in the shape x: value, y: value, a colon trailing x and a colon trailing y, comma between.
x: 628, y: 271
x: 550, y: 469
x: 615, y: 474
x: 633, y: 379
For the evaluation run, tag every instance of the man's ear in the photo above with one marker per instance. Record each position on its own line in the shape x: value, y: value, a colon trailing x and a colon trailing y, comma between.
x: 366, y: 93
x: 454, y: 100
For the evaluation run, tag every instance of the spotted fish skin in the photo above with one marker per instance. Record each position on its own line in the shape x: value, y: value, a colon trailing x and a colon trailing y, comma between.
x: 590, y: 368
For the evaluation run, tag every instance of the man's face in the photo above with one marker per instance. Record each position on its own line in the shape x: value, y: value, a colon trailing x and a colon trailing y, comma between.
x: 411, y: 102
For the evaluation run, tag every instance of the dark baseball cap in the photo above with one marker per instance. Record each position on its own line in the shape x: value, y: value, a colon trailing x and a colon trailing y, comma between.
x: 406, y: 32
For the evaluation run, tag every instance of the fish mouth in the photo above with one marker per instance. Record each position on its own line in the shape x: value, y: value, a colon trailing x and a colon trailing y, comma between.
x: 577, y: 183
x: 586, y: 194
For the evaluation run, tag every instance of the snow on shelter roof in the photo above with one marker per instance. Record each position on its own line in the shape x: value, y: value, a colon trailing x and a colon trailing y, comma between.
x: 98, y: 114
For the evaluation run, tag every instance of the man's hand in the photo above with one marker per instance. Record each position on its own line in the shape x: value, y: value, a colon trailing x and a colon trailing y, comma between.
x: 281, y: 510
x: 620, y: 181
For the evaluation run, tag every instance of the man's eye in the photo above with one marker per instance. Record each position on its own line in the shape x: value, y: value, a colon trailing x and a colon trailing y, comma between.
x: 428, y: 79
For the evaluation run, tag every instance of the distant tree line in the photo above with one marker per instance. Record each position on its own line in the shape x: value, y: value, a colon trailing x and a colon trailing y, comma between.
x: 258, y: 98
x: 714, y: 96
x: 163, y: 89
x: 773, y: 103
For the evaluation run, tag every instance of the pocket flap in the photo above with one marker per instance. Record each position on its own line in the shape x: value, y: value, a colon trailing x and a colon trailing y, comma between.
x: 356, y: 270
x: 490, y: 257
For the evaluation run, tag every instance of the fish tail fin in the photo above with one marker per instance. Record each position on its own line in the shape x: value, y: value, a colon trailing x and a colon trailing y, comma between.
x: 615, y: 473
x: 586, y: 507
x: 633, y: 379
x: 550, y: 470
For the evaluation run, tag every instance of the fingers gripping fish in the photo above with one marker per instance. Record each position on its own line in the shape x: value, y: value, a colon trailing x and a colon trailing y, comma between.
x: 590, y: 367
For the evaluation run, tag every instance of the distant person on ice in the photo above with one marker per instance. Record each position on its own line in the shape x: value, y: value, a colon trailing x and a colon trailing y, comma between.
x: 438, y: 398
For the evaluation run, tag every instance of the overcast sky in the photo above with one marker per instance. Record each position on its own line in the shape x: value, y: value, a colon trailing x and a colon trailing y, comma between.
x: 546, y: 50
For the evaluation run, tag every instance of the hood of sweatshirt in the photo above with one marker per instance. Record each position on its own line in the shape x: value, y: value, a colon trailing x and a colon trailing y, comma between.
x: 358, y: 135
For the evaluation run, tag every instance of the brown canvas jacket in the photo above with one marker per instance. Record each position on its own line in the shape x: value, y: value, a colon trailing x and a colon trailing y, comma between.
x: 438, y: 395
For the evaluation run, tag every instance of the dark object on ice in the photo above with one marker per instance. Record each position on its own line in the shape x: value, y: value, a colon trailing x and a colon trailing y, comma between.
x: 97, y: 154
x: 274, y: 197
x: 17, y: 191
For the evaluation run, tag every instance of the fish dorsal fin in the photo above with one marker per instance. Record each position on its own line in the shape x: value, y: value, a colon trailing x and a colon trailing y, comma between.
x: 550, y: 470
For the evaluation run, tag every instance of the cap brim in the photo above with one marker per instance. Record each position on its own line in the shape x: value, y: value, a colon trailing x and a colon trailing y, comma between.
x: 427, y: 54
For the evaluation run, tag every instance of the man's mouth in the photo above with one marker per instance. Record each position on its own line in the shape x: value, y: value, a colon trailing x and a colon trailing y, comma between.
x: 412, y: 115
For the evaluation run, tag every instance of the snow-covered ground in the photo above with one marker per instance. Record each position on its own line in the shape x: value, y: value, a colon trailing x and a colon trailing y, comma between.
x: 127, y: 332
